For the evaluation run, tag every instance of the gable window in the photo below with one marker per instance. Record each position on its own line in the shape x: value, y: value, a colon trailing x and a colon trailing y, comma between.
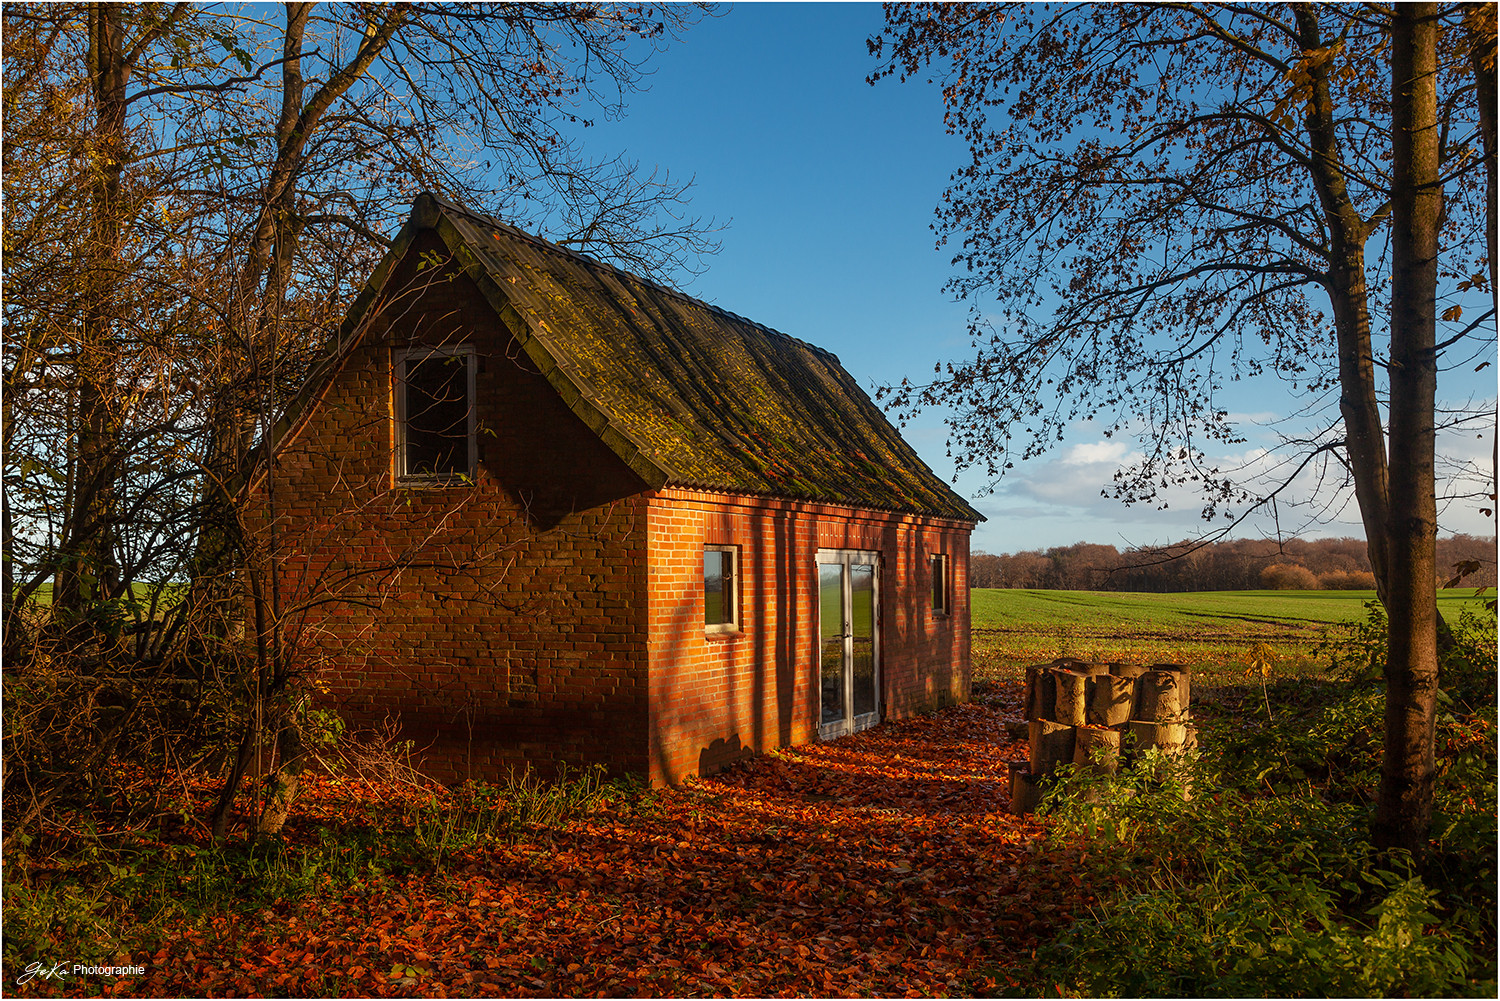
x: 941, y: 585
x: 721, y: 589
x: 435, y: 413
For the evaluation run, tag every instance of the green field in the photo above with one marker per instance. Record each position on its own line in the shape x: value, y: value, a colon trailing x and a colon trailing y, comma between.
x: 1207, y: 630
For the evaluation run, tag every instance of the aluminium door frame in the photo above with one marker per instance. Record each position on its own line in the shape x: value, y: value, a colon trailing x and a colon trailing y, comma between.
x: 851, y: 723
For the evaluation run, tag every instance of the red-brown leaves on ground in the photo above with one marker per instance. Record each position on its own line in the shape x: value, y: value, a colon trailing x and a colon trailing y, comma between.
x: 881, y: 864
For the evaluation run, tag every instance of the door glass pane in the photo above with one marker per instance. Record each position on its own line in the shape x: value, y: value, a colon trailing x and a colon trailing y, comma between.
x: 831, y: 615
x: 862, y: 612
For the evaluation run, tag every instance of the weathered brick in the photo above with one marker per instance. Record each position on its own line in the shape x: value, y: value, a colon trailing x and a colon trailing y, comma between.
x: 579, y: 634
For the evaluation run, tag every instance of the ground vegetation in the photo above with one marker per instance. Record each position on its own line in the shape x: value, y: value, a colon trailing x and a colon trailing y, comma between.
x: 882, y: 864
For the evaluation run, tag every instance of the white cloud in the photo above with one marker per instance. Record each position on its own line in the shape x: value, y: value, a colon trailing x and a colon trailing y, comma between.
x: 1088, y: 453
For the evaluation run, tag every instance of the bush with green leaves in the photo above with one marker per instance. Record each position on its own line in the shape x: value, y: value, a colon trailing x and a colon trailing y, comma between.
x: 1230, y: 932
x: 110, y: 896
x: 1264, y: 882
x: 1357, y: 651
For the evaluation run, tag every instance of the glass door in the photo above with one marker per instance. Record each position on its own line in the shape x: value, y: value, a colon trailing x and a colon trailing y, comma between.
x: 848, y: 641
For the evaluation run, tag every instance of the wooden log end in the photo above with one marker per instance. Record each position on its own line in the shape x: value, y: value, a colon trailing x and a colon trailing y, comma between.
x: 1070, y: 696
x: 1041, y: 695
x: 1097, y: 748
x: 1051, y: 744
x: 1170, y: 737
x: 1111, y: 700
x: 1025, y: 790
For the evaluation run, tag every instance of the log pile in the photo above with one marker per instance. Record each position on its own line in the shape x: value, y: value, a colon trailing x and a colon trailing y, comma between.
x: 1085, y: 712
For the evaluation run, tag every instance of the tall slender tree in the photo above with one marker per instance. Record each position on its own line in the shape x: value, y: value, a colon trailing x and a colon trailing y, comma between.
x: 1404, y: 805
x: 1168, y: 197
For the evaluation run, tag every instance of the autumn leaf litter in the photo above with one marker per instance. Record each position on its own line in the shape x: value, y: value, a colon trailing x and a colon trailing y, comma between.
x: 883, y: 864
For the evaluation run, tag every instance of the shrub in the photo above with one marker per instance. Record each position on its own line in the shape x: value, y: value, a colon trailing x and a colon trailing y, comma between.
x: 1242, y: 891
x: 1347, y: 580
x: 1288, y: 577
x: 1234, y: 933
x: 1356, y: 651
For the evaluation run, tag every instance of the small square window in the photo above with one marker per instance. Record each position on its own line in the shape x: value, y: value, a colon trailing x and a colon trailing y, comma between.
x: 721, y: 588
x: 941, y: 584
x: 435, y: 439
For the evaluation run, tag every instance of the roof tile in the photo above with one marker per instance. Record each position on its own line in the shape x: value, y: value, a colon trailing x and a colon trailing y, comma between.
x: 721, y: 402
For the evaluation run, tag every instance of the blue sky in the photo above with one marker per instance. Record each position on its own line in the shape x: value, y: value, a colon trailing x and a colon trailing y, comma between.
x: 828, y: 186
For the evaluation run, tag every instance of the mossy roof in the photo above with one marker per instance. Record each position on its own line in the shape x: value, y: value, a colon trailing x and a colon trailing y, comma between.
x: 687, y: 393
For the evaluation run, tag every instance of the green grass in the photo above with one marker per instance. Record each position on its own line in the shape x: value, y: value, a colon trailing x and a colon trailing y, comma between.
x: 1211, y: 631
x: 170, y: 593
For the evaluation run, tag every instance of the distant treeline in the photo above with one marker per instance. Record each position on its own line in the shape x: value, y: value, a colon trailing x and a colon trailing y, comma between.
x: 1239, y: 565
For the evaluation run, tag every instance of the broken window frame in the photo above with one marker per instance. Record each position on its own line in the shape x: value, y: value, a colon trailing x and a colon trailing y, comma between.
x: 400, y: 366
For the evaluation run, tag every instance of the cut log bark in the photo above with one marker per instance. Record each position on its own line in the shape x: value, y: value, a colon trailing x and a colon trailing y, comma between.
x: 1159, y: 697
x: 1051, y: 745
x: 1071, y: 695
x: 1172, y: 738
x: 1126, y: 671
x: 1090, y: 743
x: 1041, y: 700
x: 1025, y: 793
x: 1174, y: 741
x: 1184, y: 680
x: 1111, y: 700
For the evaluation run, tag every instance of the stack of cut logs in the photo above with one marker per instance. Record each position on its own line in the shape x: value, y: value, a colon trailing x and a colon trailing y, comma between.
x: 1079, y: 711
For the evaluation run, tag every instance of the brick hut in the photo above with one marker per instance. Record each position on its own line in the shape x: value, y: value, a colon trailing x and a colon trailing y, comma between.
x: 539, y: 510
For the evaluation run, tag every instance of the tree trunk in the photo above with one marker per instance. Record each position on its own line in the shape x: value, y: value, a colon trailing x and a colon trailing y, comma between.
x: 1479, y: 23
x: 1403, y: 810
x: 256, y: 294
x: 242, y: 758
x: 88, y: 570
x: 1348, y: 293
x: 287, y: 778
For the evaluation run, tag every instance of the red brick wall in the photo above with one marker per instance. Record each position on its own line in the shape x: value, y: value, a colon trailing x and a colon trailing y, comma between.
x: 714, y: 697
x: 507, y: 621
x: 501, y: 622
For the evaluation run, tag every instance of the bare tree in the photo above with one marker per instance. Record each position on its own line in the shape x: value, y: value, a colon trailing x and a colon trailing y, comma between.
x: 1165, y: 198
x: 193, y: 197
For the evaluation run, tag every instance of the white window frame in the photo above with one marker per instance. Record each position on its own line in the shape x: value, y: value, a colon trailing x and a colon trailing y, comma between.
x: 399, y: 358
x: 731, y: 591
